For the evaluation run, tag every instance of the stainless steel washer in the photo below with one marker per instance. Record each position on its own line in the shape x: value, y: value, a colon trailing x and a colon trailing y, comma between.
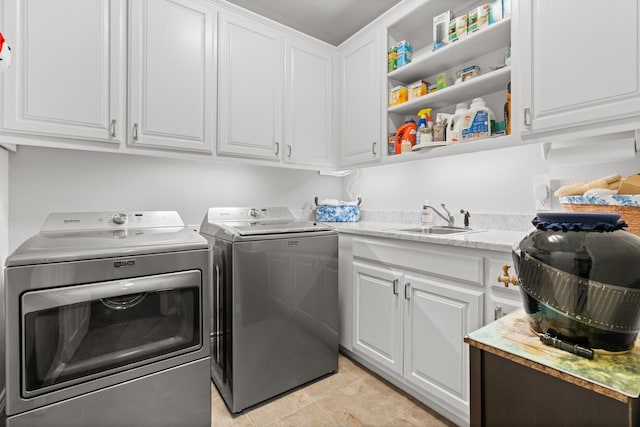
x: 105, y: 323
x: 274, y: 302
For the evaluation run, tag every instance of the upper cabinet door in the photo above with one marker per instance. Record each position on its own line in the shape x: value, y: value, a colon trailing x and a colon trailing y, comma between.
x: 580, y: 64
x: 68, y: 73
x: 251, y: 85
x: 308, y: 103
x: 173, y: 74
x: 361, y: 102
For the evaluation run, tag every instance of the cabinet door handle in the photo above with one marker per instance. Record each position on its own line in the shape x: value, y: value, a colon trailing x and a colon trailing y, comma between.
x: 407, y: 290
x: 395, y: 286
x: 373, y: 148
x: 497, y: 312
x: 113, y: 128
x: 134, y: 133
x: 277, y: 148
x: 527, y: 117
x: 288, y: 151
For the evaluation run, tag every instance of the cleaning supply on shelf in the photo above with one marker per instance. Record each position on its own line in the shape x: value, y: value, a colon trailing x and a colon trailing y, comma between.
x: 398, y: 95
x: 418, y: 89
x: 478, y: 18
x: 467, y: 73
x: 406, y: 132
x: 441, y: 29
x: 477, y: 123
x: 456, y: 123
x: 392, y: 56
x: 507, y: 110
x: 405, y: 146
x: 440, y: 128
x: 442, y: 81
x: 425, y: 127
x: 426, y: 216
x: 404, y: 53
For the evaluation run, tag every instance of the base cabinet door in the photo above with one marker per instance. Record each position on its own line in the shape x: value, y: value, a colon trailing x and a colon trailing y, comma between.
x: 173, y: 75
x: 437, y: 318
x: 68, y: 76
x: 377, y: 319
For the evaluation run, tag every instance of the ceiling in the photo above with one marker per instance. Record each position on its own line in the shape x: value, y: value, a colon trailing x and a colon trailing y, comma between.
x: 333, y: 21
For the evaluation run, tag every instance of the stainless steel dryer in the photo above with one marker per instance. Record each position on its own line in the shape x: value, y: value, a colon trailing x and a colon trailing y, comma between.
x: 105, y: 323
x: 274, y: 302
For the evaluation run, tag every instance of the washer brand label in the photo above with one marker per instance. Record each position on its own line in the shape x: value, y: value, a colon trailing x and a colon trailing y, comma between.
x: 125, y: 263
x: 71, y: 221
x: 292, y: 243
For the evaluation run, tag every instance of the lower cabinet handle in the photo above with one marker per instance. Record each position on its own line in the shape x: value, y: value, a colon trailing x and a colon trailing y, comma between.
x: 527, y: 116
x: 373, y: 148
x: 135, y: 131
x: 288, y: 151
x: 497, y: 312
x: 113, y: 128
x: 407, y: 290
x: 395, y: 286
x: 277, y: 148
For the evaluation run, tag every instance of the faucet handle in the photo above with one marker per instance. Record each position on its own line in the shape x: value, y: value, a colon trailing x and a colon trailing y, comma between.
x: 467, y: 215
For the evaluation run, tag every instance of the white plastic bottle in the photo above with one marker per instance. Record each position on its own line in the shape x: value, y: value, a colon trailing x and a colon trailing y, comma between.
x: 457, y: 122
x: 479, y: 123
x: 426, y: 216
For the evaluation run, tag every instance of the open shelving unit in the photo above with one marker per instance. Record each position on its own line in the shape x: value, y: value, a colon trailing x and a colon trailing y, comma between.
x: 485, y: 48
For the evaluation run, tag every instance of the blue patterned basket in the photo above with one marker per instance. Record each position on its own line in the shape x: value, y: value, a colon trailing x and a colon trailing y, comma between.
x: 340, y: 213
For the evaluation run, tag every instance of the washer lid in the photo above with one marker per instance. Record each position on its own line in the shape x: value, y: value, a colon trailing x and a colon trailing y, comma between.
x: 256, y: 228
x: 61, y: 241
x: 256, y: 222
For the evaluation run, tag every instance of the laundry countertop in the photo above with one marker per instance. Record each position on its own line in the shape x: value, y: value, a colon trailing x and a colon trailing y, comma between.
x: 494, y: 240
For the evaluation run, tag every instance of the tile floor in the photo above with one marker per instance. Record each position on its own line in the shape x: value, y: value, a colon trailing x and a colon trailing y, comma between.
x: 351, y: 397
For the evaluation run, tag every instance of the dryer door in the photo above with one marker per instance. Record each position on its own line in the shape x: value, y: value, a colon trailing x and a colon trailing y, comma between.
x: 74, y: 334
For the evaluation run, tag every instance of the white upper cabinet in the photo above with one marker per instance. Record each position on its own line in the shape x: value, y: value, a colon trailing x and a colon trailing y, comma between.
x: 250, y: 92
x: 308, y: 103
x: 68, y: 74
x: 172, y: 75
x: 580, y: 66
x: 362, y: 68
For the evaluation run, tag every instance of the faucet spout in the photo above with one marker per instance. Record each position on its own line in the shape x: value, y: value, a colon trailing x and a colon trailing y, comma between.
x: 449, y: 218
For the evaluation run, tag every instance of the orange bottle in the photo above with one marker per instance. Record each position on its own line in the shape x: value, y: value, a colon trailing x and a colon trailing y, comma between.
x: 406, y: 132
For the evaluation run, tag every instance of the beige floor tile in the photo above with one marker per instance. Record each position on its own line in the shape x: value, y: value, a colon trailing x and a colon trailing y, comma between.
x: 419, y: 417
x: 330, y: 385
x: 221, y: 417
x: 366, y: 402
x: 309, y: 416
x: 275, y: 409
x: 351, y: 397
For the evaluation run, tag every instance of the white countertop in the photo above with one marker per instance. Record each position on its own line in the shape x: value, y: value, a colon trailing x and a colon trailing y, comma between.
x: 494, y: 240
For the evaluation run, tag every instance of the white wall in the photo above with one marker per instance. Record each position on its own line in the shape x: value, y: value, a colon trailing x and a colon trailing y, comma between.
x: 496, y: 181
x: 50, y: 180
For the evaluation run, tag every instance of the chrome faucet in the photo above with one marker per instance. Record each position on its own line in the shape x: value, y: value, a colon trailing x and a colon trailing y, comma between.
x: 449, y: 218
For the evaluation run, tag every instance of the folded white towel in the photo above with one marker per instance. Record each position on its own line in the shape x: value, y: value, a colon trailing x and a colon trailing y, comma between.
x: 335, y: 202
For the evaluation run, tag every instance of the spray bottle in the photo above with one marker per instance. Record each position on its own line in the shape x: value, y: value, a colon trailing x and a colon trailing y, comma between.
x: 425, y: 127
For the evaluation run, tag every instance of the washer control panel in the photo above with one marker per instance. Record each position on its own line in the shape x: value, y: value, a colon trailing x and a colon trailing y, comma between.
x: 110, y: 220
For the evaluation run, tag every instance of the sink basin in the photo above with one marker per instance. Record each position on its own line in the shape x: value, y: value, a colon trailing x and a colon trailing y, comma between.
x: 437, y: 230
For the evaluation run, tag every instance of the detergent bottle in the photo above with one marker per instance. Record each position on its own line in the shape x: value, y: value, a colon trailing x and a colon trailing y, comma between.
x: 478, y: 124
x: 425, y: 127
x: 406, y: 132
x: 457, y: 122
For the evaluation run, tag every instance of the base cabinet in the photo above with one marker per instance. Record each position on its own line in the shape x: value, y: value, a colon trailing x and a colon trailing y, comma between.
x: 438, y: 316
x: 410, y: 321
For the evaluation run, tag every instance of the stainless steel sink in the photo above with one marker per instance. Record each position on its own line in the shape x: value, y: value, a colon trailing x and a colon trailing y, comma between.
x: 438, y: 230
